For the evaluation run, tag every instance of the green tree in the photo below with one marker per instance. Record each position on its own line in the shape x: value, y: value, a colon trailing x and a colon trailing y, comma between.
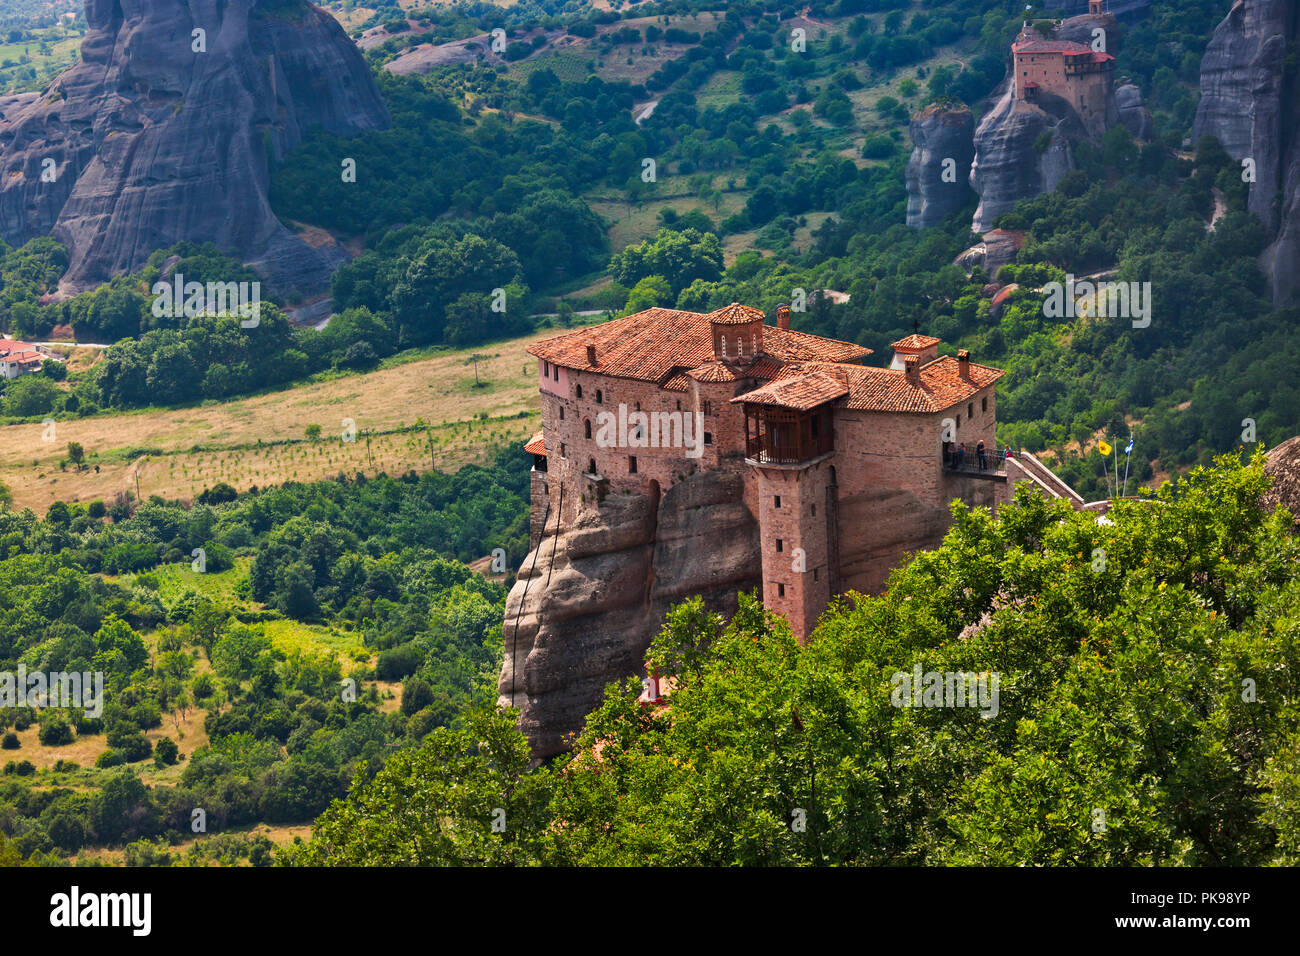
x: 466, y: 797
x: 679, y: 256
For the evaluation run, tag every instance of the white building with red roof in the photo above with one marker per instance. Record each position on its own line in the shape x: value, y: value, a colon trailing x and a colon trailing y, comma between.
x: 19, y: 358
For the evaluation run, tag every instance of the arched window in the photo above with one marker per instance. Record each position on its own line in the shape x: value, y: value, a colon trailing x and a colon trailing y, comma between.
x: 586, y: 428
x: 600, y: 396
x: 579, y: 390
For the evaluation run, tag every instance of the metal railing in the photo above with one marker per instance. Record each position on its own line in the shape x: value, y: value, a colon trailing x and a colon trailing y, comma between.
x: 994, y: 460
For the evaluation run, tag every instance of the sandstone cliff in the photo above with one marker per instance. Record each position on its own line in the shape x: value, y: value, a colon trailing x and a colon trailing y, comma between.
x: 1133, y: 113
x: 589, y: 600
x: 1021, y: 150
x: 943, y: 148
x: 151, y: 143
x: 1250, y: 101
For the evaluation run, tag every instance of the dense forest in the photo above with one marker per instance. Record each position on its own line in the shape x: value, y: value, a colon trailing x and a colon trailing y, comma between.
x: 1142, y: 718
x: 248, y: 656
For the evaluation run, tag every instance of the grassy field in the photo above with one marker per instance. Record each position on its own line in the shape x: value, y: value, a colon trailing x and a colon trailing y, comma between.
x: 60, y: 52
x: 287, y: 636
x: 261, y: 440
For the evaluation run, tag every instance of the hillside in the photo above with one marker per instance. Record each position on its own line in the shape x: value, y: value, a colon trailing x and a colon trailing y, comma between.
x: 396, y: 413
x: 299, y: 538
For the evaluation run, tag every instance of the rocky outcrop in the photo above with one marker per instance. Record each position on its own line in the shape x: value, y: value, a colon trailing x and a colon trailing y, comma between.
x: 1081, y: 29
x: 1250, y: 101
x: 1283, y: 466
x: 1134, y: 114
x: 148, y: 141
x: 943, y: 148
x: 997, y: 249
x: 1021, y: 150
x: 589, y: 599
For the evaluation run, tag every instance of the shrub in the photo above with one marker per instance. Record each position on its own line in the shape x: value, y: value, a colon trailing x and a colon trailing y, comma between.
x: 166, y: 752
x: 55, y: 732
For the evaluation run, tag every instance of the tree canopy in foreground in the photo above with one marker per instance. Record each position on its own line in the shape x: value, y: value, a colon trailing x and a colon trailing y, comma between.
x: 1149, y: 676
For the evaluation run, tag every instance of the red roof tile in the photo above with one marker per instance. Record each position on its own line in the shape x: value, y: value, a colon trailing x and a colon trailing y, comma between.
x: 736, y: 314
x: 800, y: 392
x: 888, y: 390
x: 716, y: 372
x: 915, y: 343
x: 536, y: 445
x: 657, y: 344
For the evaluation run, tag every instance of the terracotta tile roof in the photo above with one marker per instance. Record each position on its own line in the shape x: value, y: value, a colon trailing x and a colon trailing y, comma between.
x: 765, y: 368
x: 883, y: 389
x: 678, y: 383
x: 800, y: 392
x: 736, y: 314
x: 19, y: 353
x: 658, y: 344
x: 791, y: 346
x: 1064, y: 47
x: 915, y: 343
x: 21, y: 358
x: 536, y: 445
x: 716, y: 372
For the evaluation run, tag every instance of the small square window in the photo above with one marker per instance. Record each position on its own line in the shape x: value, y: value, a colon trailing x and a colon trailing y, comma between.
x: 599, y: 396
x: 984, y: 404
x: 561, y: 413
x: 679, y: 404
x: 631, y: 464
x: 578, y: 391
x: 777, y: 499
x: 780, y: 545
x: 959, y: 421
x: 780, y: 590
x: 816, y: 574
x: 562, y: 451
x: 708, y: 438
x: 970, y: 410
x: 814, y: 511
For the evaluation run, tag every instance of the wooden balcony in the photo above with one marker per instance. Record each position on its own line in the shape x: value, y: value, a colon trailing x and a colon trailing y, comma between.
x: 778, y: 436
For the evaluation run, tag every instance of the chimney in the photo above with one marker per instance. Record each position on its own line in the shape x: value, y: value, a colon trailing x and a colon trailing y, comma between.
x: 912, y: 368
x: 783, y: 317
x: 591, y: 355
x: 963, y: 364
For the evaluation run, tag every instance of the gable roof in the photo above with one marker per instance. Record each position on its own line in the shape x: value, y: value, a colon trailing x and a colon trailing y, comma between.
x: 915, y: 343
x: 658, y: 344
x: 800, y: 392
x: 875, y: 389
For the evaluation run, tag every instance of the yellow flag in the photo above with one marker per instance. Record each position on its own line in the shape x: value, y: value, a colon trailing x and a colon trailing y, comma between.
x: 1105, y: 448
